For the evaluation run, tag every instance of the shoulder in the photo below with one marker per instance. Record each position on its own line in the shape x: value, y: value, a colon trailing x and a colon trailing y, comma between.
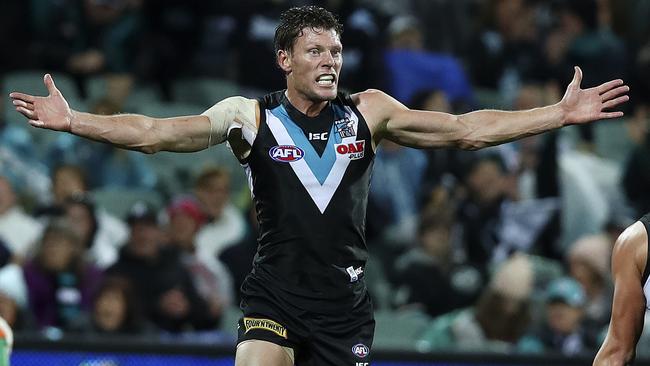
x: 376, y: 106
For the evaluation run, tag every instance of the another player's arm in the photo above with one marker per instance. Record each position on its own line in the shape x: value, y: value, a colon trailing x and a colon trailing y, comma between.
x: 133, y: 131
x: 427, y: 129
x: 628, y: 306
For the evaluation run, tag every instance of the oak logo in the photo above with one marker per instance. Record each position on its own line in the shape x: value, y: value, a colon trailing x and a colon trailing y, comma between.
x: 354, y: 150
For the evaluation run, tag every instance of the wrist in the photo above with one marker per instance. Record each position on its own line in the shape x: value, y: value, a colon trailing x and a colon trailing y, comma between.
x: 562, y: 114
x: 72, y: 119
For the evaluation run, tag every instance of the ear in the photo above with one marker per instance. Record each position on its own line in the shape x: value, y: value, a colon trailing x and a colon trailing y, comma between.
x: 284, y: 61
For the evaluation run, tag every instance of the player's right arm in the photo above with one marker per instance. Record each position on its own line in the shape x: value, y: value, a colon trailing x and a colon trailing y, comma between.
x: 628, y: 306
x: 133, y: 131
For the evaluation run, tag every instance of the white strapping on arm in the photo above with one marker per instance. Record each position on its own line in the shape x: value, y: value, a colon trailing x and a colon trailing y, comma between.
x: 231, y: 113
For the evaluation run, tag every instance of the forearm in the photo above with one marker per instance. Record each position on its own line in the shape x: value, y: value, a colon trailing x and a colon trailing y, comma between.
x: 142, y: 133
x: 491, y: 127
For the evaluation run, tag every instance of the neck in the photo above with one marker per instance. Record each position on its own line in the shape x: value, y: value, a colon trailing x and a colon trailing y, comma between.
x: 303, y: 104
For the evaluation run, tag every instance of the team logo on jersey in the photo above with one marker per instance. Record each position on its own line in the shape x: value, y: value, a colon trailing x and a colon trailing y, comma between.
x: 345, y: 127
x: 354, y: 273
x: 286, y: 153
x: 354, y: 150
x: 265, y: 324
x: 360, y: 350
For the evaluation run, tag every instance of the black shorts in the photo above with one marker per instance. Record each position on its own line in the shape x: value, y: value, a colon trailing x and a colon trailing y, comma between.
x: 338, y: 339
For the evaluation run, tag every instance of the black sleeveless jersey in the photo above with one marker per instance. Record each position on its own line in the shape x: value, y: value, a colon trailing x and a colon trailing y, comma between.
x: 309, y: 180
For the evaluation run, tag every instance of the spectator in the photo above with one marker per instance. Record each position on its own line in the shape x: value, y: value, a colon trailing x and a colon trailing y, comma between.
x: 225, y: 224
x: 13, y: 297
x: 425, y: 274
x: 563, y: 332
x: 117, y: 309
x: 70, y: 181
x: 18, y: 230
x: 399, y: 173
x: 212, y: 282
x: 588, y: 259
x: 165, y: 286
x: 497, y: 322
x: 60, y: 284
x: 410, y: 69
x: 80, y: 211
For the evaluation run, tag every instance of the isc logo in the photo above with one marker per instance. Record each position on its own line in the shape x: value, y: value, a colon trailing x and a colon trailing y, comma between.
x: 362, y: 364
x: 354, y: 150
x: 286, y: 153
x: 360, y: 350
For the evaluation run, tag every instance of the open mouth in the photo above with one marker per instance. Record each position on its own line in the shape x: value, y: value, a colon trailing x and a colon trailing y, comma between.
x: 326, y: 79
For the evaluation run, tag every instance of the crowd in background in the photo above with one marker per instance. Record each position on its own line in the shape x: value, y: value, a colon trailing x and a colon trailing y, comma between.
x: 506, y: 248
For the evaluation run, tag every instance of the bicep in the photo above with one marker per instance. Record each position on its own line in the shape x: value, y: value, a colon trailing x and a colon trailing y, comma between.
x: 423, y: 129
x: 392, y: 120
x: 628, y: 304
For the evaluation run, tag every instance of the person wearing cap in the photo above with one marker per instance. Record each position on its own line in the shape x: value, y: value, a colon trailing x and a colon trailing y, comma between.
x: 170, y: 298
x: 562, y: 331
x: 630, y: 272
x: 210, y: 276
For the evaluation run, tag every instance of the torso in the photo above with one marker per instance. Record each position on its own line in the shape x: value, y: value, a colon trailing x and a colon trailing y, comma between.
x: 309, y: 177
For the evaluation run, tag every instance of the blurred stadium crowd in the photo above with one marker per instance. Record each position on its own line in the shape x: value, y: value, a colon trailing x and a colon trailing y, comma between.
x: 503, y: 249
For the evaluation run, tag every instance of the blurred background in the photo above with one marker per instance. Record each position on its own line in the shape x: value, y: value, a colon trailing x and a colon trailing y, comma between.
x: 499, y: 252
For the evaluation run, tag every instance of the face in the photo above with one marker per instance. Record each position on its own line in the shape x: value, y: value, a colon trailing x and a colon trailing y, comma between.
x: 110, y: 310
x: 145, y: 240
x: 214, y: 195
x: 563, y: 318
x: 80, y: 219
x: 57, y: 252
x: 182, y: 228
x: 66, y: 183
x: 486, y: 182
x: 436, y: 242
x: 313, y: 65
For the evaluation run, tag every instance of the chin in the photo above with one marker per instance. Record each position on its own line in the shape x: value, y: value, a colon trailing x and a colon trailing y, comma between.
x: 327, y: 95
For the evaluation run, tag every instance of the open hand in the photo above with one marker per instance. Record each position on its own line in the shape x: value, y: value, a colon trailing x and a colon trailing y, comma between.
x: 585, y: 105
x: 50, y: 112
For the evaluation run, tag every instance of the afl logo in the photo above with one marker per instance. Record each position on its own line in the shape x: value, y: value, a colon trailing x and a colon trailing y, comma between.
x: 286, y: 153
x: 360, y: 350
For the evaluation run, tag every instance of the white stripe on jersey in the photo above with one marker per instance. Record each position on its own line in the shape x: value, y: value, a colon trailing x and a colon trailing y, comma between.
x: 320, y: 194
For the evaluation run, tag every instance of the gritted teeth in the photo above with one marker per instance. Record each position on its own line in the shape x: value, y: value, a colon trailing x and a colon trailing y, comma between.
x: 326, y: 77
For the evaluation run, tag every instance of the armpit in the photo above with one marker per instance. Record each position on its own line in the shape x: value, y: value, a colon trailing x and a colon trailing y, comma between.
x: 234, y: 119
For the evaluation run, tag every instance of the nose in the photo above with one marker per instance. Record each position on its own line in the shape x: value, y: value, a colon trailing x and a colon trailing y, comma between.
x: 328, y: 59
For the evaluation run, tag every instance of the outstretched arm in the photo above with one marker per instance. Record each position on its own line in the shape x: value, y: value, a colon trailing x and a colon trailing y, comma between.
x: 426, y: 129
x: 133, y: 131
x: 628, y: 305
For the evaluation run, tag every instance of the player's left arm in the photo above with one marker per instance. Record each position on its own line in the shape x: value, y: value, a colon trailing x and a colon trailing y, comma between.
x: 628, y: 306
x: 390, y: 119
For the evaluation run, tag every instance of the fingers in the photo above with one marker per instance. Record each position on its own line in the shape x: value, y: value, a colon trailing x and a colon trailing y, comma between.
x: 30, y: 114
x: 606, y: 115
x: 21, y: 96
x: 602, y: 88
x: 577, y: 76
x: 614, y: 102
x: 615, y: 92
x: 49, y: 83
x: 21, y: 103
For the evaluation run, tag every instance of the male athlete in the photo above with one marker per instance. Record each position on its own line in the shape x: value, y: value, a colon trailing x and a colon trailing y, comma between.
x: 308, y: 151
x: 631, y: 291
